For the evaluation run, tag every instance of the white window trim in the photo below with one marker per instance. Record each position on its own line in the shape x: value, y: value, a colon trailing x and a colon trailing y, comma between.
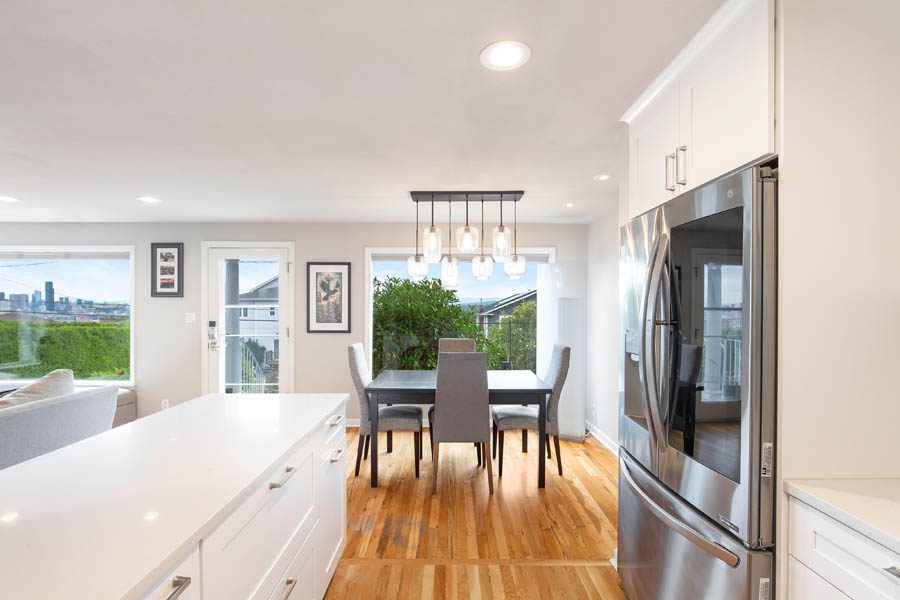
x: 533, y: 253
x: 78, y: 249
x: 205, y: 248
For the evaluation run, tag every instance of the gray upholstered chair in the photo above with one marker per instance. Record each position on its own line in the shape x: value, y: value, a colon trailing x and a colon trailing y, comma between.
x: 37, y: 427
x: 526, y: 417
x: 390, y: 418
x: 461, y: 407
x: 456, y: 345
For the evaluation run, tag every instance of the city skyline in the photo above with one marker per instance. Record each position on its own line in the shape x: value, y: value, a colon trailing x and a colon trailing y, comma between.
x: 106, y: 281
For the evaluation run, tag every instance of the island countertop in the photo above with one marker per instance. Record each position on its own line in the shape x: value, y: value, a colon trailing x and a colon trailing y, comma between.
x: 105, y: 517
x: 870, y: 506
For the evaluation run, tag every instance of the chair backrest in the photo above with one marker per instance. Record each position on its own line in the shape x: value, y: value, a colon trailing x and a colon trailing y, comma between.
x: 359, y: 372
x: 41, y: 426
x: 556, y: 378
x: 456, y: 345
x: 689, y: 369
x: 461, y: 409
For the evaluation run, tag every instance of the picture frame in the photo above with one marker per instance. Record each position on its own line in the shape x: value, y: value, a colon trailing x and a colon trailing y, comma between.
x: 167, y: 270
x: 328, y: 297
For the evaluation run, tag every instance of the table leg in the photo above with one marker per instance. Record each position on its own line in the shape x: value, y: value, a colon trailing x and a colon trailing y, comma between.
x: 542, y: 438
x: 373, y: 419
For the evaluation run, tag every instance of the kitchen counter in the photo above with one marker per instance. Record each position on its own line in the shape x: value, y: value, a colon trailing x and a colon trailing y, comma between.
x: 870, y: 506
x: 108, y: 516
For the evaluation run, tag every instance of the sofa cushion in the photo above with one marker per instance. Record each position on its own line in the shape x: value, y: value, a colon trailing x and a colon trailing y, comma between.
x: 55, y: 383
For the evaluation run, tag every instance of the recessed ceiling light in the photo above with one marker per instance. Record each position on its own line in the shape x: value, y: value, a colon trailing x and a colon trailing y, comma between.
x: 151, y: 516
x: 8, y: 199
x: 570, y: 204
x: 9, y: 517
x: 505, y: 55
x: 149, y: 200
x: 601, y: 177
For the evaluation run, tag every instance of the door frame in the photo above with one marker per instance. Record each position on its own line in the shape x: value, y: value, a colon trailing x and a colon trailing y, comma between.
x: 287, y: 305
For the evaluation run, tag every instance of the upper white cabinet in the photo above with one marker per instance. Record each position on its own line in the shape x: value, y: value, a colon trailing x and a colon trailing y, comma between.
x: 711, y: 110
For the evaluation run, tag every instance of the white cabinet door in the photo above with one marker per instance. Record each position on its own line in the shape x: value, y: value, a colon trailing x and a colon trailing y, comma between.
x: 332, y: 479
x: 653, y: 139
x: 804, y: 583
x: 727, y: 98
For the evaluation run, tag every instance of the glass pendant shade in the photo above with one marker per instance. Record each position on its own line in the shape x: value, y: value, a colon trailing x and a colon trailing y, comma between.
x: 502, y: 243
x: 431, y: 244
x: 482, y: 267
x: 449, y: 272
x: 467, y: 239
x: 514, y: 267
x: 417, y: 267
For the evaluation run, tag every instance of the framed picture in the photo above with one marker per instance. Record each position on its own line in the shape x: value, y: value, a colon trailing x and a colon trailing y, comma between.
x: 328, y: 297
x: 167, y: 270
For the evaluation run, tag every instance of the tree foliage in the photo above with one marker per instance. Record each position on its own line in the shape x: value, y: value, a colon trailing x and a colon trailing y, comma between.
x: 410, y: 317
x: 516, y: 336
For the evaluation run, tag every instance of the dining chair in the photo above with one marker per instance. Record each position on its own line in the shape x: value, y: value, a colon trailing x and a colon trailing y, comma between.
x: 461, y: 406
x: 390, y: 418
x: 455, y: 345
x: 526, y: 417
x: 685, y: 417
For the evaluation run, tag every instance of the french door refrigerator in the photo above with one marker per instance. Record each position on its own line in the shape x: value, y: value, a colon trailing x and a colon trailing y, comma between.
x: 697, y: 419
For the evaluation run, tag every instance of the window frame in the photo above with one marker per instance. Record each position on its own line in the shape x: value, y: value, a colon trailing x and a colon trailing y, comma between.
x: 85, y: 249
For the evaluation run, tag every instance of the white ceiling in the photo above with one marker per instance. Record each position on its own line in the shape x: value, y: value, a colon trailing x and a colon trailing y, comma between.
x: 324, y: 110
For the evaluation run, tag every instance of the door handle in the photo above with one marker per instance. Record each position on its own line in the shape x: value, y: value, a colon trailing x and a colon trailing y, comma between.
x: 291, y: 583
x: 335, y: 420
x: 180, y: 583
x: 645, y: 358
x: 649, y: 371
x: 682, y: 529
x: 669, y: 159
x: 681, y: 165
x: 289, y: 472
x: 336, y: 455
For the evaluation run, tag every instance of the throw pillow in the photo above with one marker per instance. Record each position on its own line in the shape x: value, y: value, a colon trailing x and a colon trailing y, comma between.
x: 55, y: 383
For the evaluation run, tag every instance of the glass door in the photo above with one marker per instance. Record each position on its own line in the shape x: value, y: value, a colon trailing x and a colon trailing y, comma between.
x: 249, y: 321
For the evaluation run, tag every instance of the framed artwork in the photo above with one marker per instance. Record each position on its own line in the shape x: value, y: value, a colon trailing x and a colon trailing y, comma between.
x: 167, y: 270
x: 328, y: 297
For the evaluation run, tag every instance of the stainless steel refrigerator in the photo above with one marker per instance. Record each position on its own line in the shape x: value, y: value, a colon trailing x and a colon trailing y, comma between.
x: 697, y: 419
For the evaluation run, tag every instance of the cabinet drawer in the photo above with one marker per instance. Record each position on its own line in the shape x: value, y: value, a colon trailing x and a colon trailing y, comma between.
x: 298, y: 582
x: 852, y: 562
x: 803, y: 583
x: 334, y: 428
x: 186, y: 576
x: 240, y: 556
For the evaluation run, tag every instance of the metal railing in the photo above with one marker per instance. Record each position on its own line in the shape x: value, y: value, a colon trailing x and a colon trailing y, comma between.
x: 721, y: 373
x: 251, y: 371
x: 516, y: 339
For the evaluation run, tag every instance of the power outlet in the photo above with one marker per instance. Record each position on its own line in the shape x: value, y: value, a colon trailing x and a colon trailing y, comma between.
x: 164, y: 404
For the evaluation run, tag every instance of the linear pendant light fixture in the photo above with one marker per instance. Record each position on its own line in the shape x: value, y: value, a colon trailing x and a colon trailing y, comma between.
x: 415, y: 264
x: 482, y: 266
x: 514, y: 267
x: 467, y: 237
x: 502, y: 238
x: 449, y: 264
x: 431, y: 240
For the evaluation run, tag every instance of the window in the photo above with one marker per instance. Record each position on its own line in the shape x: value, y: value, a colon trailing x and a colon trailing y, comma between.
x: 272, y: 312
x: 244, y: 312
x: 66, y: 308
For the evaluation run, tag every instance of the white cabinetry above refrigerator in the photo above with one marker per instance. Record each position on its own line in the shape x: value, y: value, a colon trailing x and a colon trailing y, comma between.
x: 710, y: 111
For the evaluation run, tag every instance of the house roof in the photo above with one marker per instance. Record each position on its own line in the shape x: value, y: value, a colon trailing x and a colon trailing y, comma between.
x: 267, y: 290
x: 509, y: 301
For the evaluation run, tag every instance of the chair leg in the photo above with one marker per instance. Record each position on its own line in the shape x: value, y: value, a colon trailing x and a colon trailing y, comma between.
x: 558, y: 456
x: 500, y: 464
x: 494, y: 440
x: 366, y: 450
x: 478, y: 452
x: 421, y: 449
x: 359, y: 451
x: 416, y: 438
x: 524, y: 440
x: 434, y: 467
x: 547, y: 443
x: 390, y: 442
x: 490, y: 470
x: 431, y: 441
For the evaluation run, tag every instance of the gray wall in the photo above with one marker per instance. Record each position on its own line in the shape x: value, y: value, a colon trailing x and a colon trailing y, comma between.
x: 168, y: 350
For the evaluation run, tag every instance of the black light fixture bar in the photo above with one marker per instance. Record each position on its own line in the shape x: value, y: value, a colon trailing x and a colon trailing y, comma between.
x: 492, y: 196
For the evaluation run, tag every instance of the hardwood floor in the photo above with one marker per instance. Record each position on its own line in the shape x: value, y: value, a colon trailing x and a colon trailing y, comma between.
x: 522, y: 542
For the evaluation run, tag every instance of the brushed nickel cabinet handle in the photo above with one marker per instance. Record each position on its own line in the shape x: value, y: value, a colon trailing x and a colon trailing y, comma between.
x: 681, y: 165
x: 180, y: 583
x: 669, y: 186
x: 335, y: 420
x: 289, y: 472
x: 336, y: 456
x: 291, y: 583
x: 895, y: 571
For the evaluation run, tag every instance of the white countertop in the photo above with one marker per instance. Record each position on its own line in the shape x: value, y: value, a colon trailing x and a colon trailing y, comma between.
x: 870, y: 506
x: 107, y: 516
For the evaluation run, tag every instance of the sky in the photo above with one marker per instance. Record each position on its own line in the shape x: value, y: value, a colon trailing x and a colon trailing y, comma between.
x: 470, y: 289
x: 100, y: 280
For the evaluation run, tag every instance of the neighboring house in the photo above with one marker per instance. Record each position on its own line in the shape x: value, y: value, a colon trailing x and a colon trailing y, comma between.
x: 492, y: 314
x: 259, y: 320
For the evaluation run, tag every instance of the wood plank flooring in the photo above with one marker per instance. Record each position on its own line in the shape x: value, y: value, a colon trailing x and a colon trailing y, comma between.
x: 522, y: 542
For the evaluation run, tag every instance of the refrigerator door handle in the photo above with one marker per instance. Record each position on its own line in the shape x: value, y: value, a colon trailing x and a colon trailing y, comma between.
x: 649, y: 362
x: 687, y: 532
x: 645, y: 358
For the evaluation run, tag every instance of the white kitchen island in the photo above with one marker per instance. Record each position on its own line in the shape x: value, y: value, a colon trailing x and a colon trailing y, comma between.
x: 225, y: 496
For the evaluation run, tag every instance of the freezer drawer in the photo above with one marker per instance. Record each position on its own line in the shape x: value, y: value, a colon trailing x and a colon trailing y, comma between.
x: 669, y: 550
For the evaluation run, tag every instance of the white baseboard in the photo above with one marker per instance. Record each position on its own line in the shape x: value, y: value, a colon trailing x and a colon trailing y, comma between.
x: 604, y: 439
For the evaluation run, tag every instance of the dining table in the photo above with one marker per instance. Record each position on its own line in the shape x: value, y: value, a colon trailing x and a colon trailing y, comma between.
x: 511, y: 387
